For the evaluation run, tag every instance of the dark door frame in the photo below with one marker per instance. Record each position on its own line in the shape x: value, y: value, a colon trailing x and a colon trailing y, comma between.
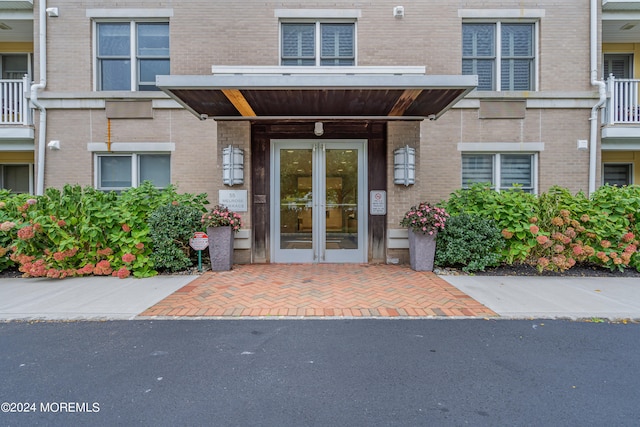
x: 375, y: 132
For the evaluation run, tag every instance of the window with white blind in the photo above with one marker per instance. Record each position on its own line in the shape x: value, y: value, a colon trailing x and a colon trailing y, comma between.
x: 501, y: 54
x: 16, y: 178
x: 318, y: 43
x: 502, y: 171
x: 131, y: 54
x: 619, y: 65
x: 121, y: 171
x: 618, y: 174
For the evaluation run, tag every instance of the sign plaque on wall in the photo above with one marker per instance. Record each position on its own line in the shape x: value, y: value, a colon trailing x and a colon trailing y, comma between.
x: 378, y: 202
x: 235, y: 200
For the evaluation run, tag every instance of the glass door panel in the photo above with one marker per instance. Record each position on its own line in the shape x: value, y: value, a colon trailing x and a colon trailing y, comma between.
x: 318, y: 201
x: 296, y: 203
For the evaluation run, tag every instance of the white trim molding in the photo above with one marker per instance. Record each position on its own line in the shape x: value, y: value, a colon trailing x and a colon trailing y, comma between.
x: 131, y: 147
x: 318, y: 13
x: 501, y: 13
x: 129, y: 13
x: 500, y: 146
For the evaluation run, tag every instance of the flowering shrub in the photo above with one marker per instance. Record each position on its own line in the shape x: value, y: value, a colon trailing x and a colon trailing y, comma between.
x: 221, y: 216
x: 556, y: 230
x: 82, y: 231
x: 425, y: 218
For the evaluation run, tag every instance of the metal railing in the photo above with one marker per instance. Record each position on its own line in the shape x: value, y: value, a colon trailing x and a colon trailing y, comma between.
x: 13, y: 102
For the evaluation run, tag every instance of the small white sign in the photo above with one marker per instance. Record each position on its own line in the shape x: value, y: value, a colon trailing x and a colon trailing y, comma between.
x: 199, y: 241
x: 378, y: 202
x: 235, y: 200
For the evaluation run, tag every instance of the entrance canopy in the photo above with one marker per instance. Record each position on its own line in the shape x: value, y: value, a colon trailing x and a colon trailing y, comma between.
x: 255, y: 93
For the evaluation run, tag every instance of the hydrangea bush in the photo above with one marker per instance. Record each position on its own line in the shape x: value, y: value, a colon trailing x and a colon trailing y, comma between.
x: 80, y: 231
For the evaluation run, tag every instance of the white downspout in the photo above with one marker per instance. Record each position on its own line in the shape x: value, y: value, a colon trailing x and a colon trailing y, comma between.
x: 35, y: 88
x: 593, y: 145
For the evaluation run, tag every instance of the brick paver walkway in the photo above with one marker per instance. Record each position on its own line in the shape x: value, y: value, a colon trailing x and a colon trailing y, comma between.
x: 328, y: 290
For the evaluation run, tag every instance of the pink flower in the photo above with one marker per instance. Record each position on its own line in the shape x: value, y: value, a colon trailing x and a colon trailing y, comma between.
x: 7, y: 225
x: 128, y: 258
x: 122, y: 273
x: 140, y: 246
x: 534, y: 229
x: 26, y: 233
x: 126, y: 228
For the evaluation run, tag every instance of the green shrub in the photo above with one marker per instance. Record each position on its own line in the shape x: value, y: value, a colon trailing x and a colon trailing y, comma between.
x: 471, y: 241
x: 10, y: 219
x: 171, y: 227
x: 79, y: 231
x: 557, y: 229
x: 510, y: 209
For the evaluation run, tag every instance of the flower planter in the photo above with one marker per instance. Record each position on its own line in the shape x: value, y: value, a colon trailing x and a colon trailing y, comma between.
x: 220, y: 247
x: 422, y: 250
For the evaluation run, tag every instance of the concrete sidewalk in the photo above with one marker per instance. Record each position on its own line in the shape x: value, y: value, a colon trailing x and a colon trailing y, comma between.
x: 83, y: 298
x: 554, y: 297
x: 512, y: 297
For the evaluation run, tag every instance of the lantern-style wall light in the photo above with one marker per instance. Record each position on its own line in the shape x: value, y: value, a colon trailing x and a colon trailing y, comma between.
x: 232, y: 166
x: 404, y: 166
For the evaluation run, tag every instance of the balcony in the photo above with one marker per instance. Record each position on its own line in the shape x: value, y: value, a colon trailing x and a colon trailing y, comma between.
x: 621, y: 119
x: 13, y: 102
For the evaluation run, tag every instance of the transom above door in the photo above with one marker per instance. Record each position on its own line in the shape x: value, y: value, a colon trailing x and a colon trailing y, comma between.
x: 318, y: 206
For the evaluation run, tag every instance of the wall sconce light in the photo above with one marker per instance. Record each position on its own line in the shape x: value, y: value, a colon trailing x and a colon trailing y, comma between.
x: 232, y: 166
x: 404, y: 166
x: 54, y: 144
x: 318, y: 130
x: 398, y: 11
x: 52, y: 12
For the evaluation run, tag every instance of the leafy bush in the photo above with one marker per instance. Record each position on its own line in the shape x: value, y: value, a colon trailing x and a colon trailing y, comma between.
x: 79, y: 231
x: 510, y: 210
x: 471, y: 241
x: 172, y: 226
x: 557, y: 229
x: 10, y: 218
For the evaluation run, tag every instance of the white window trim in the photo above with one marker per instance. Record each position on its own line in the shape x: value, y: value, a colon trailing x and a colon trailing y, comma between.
x: 497, y: 164
x: 318, y: 13
x: 498, y: 21
x: 501, y: 146
x: 129, y: 13
x: 135, y: 174
x: 129, y: 147
x: 318, y: 21
x: 133, y: 46
x: 501, y: 13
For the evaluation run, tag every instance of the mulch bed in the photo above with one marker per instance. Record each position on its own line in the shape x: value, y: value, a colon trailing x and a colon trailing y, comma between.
x: 578, y: 270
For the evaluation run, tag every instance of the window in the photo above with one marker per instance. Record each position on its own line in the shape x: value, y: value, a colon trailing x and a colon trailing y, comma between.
x: 501, y: 54
x: 502, y: 170
x: 15, y: 66
x: 122, y: 171
x: 618, y: 65
x: 131, y: 54
x: 16, y: 178
x: 618, y: 174
x: 318, y: 43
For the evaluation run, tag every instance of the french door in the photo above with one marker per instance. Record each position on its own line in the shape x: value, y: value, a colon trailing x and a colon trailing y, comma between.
x: 318, y: 206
